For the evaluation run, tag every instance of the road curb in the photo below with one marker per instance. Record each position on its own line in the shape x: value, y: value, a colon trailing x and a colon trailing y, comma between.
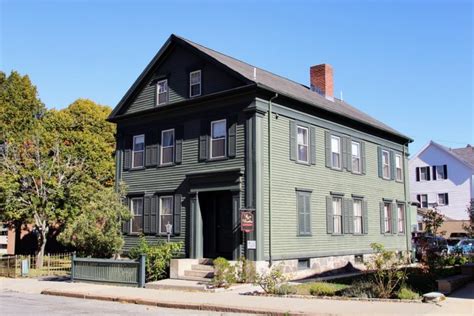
x: 187, y: 306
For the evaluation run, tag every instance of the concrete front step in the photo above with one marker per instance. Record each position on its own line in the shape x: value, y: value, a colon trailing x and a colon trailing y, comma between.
x: 206, y: 261
x: 202, y: 267
x: 198, y: 273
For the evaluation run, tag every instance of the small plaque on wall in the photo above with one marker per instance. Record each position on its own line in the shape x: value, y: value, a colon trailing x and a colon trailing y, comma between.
x: 251, y: 244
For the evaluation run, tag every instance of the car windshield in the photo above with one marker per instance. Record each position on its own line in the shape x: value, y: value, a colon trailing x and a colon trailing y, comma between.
x: 453, y: 242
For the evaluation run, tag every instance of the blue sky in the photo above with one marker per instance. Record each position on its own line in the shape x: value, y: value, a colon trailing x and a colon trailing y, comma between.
x: 407, y: 63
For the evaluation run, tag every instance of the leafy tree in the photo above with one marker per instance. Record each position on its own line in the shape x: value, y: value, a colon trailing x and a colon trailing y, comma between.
x: 469, y: 228
x: 96, y: 230
x: 432, y: 220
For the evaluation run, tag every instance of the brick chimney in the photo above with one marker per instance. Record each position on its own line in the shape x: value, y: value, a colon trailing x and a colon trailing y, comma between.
x: 321, y: 79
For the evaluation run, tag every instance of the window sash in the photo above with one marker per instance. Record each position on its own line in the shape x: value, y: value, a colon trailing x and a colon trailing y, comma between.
x: 398, y: 165
x: 302, y: 141
x: 386, y: 164
x: 440, y: 173
x: 304, y: 213
x: 387, y: 212
x: 424, y: 173
x: 355, y: 150
x: 194, y: 83
x: 162, y: 91
x: 336, y: 152
x: 167, y: 146
x: 138, y: 151
x: 337, y: 215
x: 136, y: 222
x: 424, y: 200
x: 442, y: 199
x: 166, y: 212
x: 357, y: 206
x: 401, y: 218
x: 218, y: 139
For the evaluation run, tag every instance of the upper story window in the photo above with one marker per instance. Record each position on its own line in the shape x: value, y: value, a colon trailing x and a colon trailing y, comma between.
x: 443, y: 199
x: 337, y: 215
x: 167, y: 146
x: 424, y: 173
x: 335, y: 152
x: 162, y: 92
x: 136, y: 223
x: 138, y: 151
x: 398, y: 165
x: 440, y: 172
x: 302, y: 139
x: 401, y: 218
x: 387, y: 214
x: 166, y: 212
x: 385, y: 164
x: 218, y: 138
x: 195, y: 83
x: 356, y: 163
x: 357, y: 207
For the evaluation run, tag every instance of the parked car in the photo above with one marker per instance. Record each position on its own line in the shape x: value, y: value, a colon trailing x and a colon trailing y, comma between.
x: 429, y: 244
x: 464, y: 246
x: 452, y: 242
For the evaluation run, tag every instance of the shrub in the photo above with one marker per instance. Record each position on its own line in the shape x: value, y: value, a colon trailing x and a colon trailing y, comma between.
x: 461, y: 260
x: 158, y: 257
x: 362, y: 289
x: 224, y: 273
x: 407, y: 294
x: 323, y: 289
x: 285, y: 289
x: 246, y: 272
x: 272, y: 280
x: 387, y: 270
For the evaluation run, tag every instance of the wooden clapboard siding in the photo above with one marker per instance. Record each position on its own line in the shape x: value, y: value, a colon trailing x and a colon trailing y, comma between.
x: 288, y: 175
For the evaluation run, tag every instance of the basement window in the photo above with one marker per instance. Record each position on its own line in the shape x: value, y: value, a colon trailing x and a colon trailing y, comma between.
x: 359, y: 258
x: 303, y: 264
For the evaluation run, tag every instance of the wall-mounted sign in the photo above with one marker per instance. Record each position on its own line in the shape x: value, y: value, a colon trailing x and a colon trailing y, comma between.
x: 251, y: 244
x: 247, y: 220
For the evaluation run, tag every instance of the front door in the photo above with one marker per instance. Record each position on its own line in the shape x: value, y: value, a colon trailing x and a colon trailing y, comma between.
x: 216, y: 210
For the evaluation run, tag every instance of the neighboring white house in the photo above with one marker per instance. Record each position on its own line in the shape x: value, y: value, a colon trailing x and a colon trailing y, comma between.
x: 443, y: 177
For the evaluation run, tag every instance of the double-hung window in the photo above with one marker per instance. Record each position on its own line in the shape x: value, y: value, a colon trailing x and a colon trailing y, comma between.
x: 424, y: 173
x: 136, y: 222
x: 138, y: 155
x: 162, y: 92
x: 303, y: 200
x: 441, y: 172
x: 195, y: 83
x: 355, y: 149
x: 401, y: 218
x: 443, y: 199
x: 335, y: 152
x: 387, y: 217
x: 166, y: 212
x: 337, y: 215
x: 398, y: 166
x: 302, y: 139
x: 423, y: 199
x: 385, y: 164
x: 167, y: 146
x: 357, y: 206
x: 218, y: 138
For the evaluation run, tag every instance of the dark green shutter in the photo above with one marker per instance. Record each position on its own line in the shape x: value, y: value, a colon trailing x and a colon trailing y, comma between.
x: 293, y: 141
x: 348, y: 153
x: 147, y: 215
x: 151, y: 149
x: 178, y: 145
x: 363, y: 158
x: 329, y: 218
x: 393, y: 168
x: 127, y: 159
x: 126, y: 224
x: 177, y: 214
x: 327, y: 142
x: 154, y: 215
x: 382, y: 218
x: 232, y: 138
x: 394, y: 210
x: 365, y: 217
x: 434, y: 173
x: 312, y: 144
x: 344, y: 153
x: 380, y: 164
x: 350, y: 214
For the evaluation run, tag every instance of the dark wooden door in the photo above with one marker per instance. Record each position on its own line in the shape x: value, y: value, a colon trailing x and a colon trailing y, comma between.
x: 224, y: 234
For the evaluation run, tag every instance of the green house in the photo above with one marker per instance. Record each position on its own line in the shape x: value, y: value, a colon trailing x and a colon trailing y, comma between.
x: 205, y: 141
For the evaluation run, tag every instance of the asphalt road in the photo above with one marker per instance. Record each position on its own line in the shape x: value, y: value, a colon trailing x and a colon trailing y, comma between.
x: 13, y: 303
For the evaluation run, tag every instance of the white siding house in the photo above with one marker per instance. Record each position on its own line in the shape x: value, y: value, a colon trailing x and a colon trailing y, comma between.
x: 443, y: 177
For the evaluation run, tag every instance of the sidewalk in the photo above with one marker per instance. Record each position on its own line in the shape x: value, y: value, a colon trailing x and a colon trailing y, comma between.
x: 461, y: 302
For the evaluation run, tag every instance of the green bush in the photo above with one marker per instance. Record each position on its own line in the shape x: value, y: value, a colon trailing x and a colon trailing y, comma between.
x: 461, y: 260
x: 323, y: 289
x: 246, y: 272
x: 272, y: 280
x: 158, y: 257
x: 224, y: 273
x: 285, y: 289
x: 407, y: 294
x: 362, y: 289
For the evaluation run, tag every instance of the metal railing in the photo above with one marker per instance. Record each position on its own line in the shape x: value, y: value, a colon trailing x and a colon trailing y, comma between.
x: 53, y: 265
x: 124, y: 272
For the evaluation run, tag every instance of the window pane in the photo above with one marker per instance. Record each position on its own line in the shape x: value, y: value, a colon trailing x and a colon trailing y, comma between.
x: 195, y: 77
x: 162, y: 86
x: 423, y: 173
x: 219, y: 129
x: 168, y: 138
x: 386, y: 171
x: 302, y: 136
x: 165, y: 219
x: 335, y: 144
x: 336, y: 162
x: 139, y: 142
x: 166, y: 205
x: 357, y: 225
x: 385, y: 157
x: 355, y: 149
x: 167, y: 155
x: 137, y: 212
x: 218, y: 148
x: 195, y: 89
x: 337, y: 224
x: 302, y: 153
x: 357, y: 208
x: 398, y: 161
x: 355, y: 164
x: 336, y: 206
x: 138, y: 159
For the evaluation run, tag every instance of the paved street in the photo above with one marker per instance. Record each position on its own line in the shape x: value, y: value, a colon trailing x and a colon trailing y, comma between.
x: 14, y: 303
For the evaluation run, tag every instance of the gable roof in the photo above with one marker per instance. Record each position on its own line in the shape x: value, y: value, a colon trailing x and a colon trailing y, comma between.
x: 275, y: 83
x: 464, y: 155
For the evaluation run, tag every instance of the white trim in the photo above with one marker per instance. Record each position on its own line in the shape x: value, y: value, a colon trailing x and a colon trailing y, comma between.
x: 200, y: 83
x: 298, y: 144
x: 161, y: 211
x: 357, y: 156
x: 388, y: 164
x: 158, y: 93
x: 339, y: 153
x: 162, y: 147
x: 134, y: 151
x: 225, y: 139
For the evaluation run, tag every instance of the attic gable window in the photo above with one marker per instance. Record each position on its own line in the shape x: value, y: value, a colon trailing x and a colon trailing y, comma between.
x: 162, y: 92
x: 195, y: 83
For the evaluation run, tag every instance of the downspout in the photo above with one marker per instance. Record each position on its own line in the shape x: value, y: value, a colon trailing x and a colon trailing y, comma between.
x: 407, y: 205
x: 270, y: 179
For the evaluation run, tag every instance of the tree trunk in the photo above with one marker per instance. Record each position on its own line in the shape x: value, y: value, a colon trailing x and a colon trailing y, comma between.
x: 42, y: 246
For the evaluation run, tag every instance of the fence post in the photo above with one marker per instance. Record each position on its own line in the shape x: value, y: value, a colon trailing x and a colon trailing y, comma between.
x: 73, y: 268
x: 141, y: 270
